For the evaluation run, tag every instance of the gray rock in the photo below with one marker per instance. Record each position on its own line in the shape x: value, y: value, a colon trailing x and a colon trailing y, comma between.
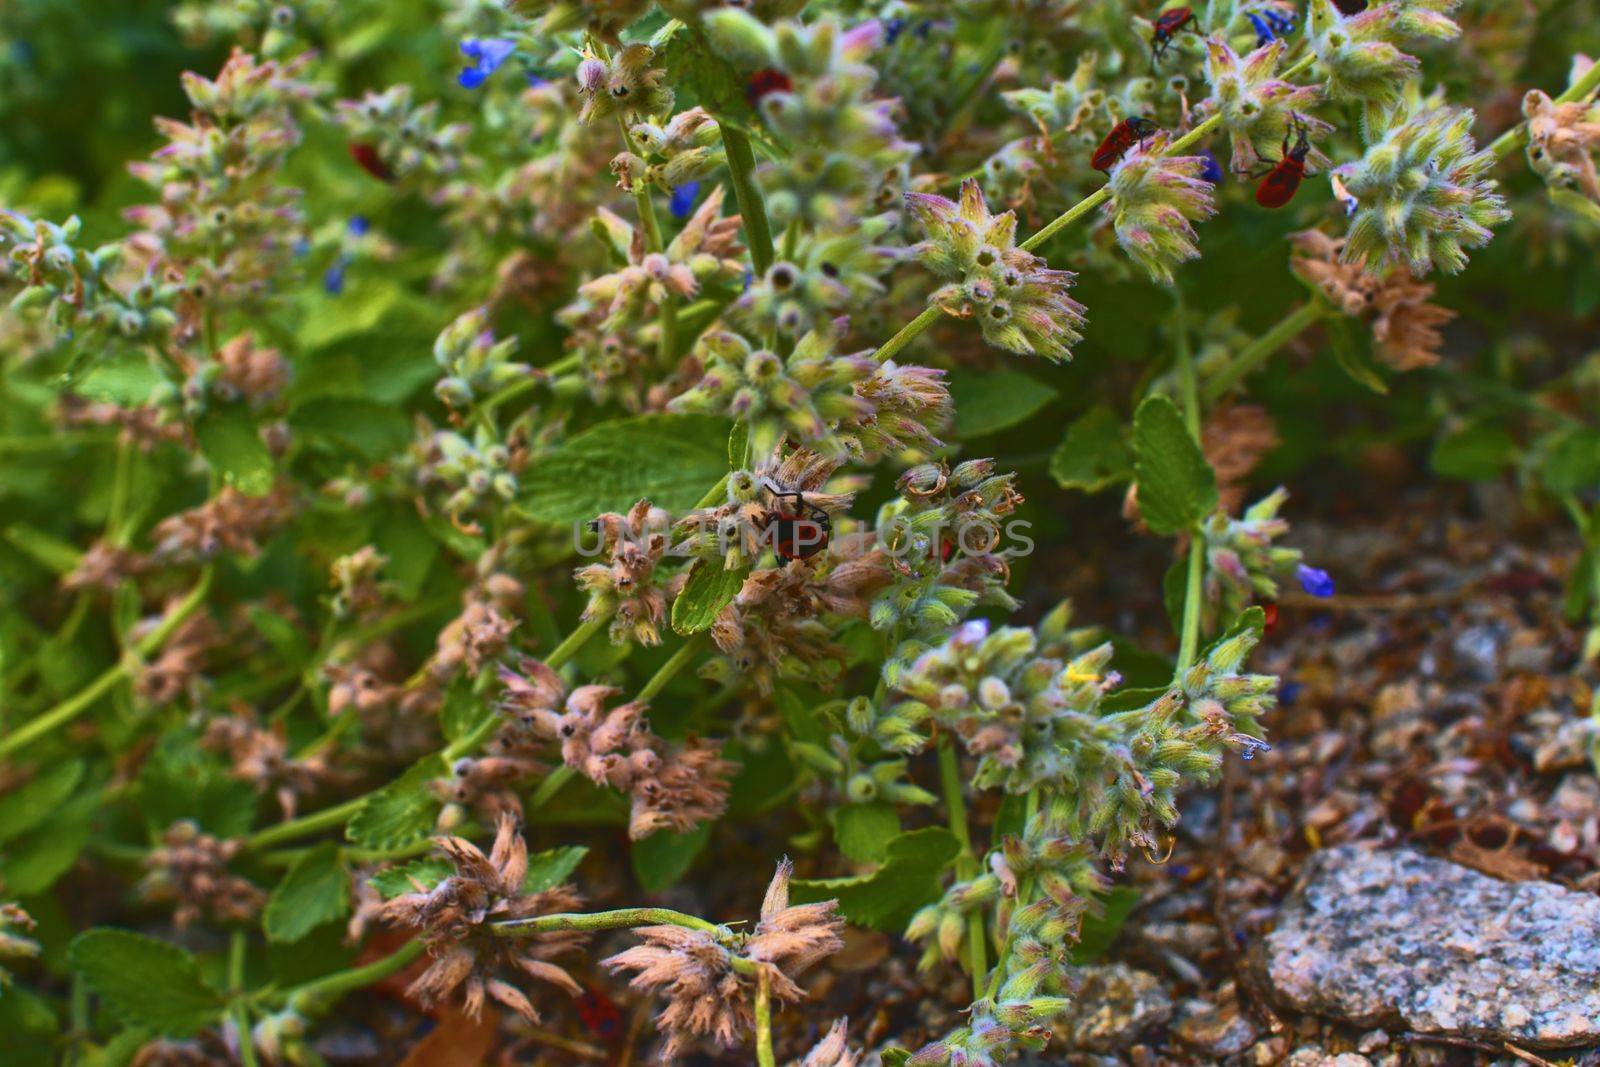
x: 1112, y: 1006
x: 1216, y: 1027
x: 1404, y: 940
x: 1311, y: 1056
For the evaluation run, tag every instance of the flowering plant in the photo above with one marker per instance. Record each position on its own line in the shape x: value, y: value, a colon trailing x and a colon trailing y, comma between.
x: 520, y: 454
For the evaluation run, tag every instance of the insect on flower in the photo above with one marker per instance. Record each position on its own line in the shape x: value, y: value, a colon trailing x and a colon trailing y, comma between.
x: 1167, y: 27
x: 599, y: 1013
x: 1123, y: 136
x: 367, y: 159
x: 763, y: 83
x: 1281, y: 182
x: 799, y: 533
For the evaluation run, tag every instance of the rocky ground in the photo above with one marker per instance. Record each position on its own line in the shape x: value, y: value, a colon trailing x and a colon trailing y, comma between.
x: 1410, y: 875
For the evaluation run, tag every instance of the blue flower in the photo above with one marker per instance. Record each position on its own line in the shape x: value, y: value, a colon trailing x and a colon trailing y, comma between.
x: 1212, y: 170
x: 486, y: 53
x: 1314, y: 580
x: 682, y: 202
x: 358, y: 226
x: 333, y: 279
x: 1264, y: 34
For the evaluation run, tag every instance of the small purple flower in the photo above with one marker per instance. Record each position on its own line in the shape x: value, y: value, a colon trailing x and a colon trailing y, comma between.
x: 972, y: 632
x: 1210, y: 170
x: 1264, y: 34
x: 358, y: 226
x: 486, y: 53
x: 682, y: 202
x: 333, y: 278
x: 1314, y: 580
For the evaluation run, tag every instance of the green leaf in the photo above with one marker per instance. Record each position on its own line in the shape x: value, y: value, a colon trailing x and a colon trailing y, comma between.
x: 863, y: 831
x: 48, y: 551
x: 1099, y: 931
x: 1477, y: 452
x: 702, y: 76
x: 1176, y: 485
x: 373, y: 430
x: 30, y: 804
x: 886, y: 898
x: 407, y: 877
x: 288, y: 641
x: 182, y: 781
x: 988, y: 401
x: 1571, y: 461
x: 893, y: 1057
x: 739, y: 446
x: 670, y: 459
x: 315, y: 891
x: 232, y: 445
x: 1354, y: 356
x: 125, y: 378
x: 29, y: 1029
x: 145, y: 982
x: 550, y: 868
x: 1094, y: 454
x: 403, y: 812
x: 33, y: 862
x: 709, y: 589
x: 409, y: 548
x: 660, y: 860
x: 1252, y: 620
x: 1012, y: 818
x: 463, y: 711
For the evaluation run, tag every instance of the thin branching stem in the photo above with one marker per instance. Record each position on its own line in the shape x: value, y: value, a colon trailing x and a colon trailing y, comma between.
x: 75, y: 705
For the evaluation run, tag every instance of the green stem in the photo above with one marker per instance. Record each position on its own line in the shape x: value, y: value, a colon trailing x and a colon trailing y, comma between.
x: 1189, y: 639
x: 667, y: 670
x: 620, y: 919
x: 76, y: 705
x: 966, y: 863
x: 741, y: 169
x: 240, y: 1009
x: 1253, y: 355
x: 764, y: 1056
x: 908, y: 333
x: 716, y: 494
x: 575, y: 641
x: 1024, y: 897
x: 305, y: 825
x: 1517, y: 136
x: 316, y: 997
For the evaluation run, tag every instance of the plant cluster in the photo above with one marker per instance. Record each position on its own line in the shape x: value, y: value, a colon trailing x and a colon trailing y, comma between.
x: 448, y: 462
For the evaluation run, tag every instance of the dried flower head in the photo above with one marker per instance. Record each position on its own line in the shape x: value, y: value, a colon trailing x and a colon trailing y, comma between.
x: 456, y: 919
x: 1405, y: 325
x: 709, y: 976
x: 190, y: 869
x: 232, y: 522
x: 671, y: 786
x: 625, y: 589
x: 1561, y: 141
